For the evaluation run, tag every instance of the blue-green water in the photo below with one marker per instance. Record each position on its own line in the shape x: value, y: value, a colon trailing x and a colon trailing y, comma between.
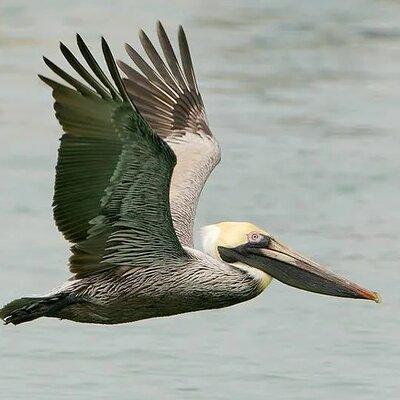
x: 304, y: 97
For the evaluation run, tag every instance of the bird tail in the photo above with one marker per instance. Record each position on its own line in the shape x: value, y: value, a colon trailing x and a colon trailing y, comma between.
x: 29, y: 308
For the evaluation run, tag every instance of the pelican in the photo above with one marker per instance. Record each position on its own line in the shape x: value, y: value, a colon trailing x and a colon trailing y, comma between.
x: 134, y: 157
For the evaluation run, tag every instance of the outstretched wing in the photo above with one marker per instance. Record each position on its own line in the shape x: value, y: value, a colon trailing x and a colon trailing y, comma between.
x: 113, y: 173
x: 168, y: 97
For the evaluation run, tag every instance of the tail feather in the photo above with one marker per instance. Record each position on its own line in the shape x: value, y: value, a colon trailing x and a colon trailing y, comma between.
x: 29, y: 308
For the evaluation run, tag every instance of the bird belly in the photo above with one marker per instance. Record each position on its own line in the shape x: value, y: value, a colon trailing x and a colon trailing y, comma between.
x: 128, y: 295
x: 136, y: 307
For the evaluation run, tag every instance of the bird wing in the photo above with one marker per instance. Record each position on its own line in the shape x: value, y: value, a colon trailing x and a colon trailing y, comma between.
x: 168, y: 97
x: 113, y: 173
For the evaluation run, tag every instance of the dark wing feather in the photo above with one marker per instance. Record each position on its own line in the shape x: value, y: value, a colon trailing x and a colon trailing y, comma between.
x: 113, y: 173
x: 167, y: 95
x: 170, y: 56
x: 187, y: 62
x: 81, y: 70
x: 95, y: 67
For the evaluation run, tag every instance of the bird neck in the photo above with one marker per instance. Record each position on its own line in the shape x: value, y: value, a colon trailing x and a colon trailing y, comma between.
x: 262, y: 278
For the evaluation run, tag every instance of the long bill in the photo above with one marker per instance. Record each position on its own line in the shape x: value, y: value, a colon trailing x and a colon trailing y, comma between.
x: 291, y: 268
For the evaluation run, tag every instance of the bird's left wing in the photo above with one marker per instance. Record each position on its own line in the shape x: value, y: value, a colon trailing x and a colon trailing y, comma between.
x: 113, y: 173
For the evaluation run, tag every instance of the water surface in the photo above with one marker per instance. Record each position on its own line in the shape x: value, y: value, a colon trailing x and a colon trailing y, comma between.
x: 304, y: 98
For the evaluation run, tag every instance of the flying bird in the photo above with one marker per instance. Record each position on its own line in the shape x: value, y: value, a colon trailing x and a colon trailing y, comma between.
x: 134, y: 157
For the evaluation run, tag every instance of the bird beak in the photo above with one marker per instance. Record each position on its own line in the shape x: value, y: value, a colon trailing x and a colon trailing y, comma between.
x: 289, y: 267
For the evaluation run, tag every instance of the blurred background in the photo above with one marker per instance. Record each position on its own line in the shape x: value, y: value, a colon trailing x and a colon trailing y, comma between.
x: 304, y: 98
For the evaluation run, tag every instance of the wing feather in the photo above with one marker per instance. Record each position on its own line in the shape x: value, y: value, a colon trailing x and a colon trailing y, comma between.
x: 95, y: 67
x: 167, y: 95
x: 111, y: 197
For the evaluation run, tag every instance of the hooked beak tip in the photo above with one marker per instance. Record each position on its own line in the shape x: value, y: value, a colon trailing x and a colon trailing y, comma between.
x: 376, y: 297
x: 368, y: 294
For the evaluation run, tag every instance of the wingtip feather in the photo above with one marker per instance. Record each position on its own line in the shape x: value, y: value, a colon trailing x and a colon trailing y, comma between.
x: 47, y: 61
x: 112, y: 67
x: 143, y: 36
x: 42, y: 78
x: 160, y: 26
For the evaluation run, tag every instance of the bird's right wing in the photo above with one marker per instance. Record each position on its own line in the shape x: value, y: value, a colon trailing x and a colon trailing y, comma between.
x: 168, y: 97
x: 113, y: 173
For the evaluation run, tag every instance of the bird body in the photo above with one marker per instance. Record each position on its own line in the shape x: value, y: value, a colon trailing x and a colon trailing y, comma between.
x: 133, y: 159
x: 128, y: 294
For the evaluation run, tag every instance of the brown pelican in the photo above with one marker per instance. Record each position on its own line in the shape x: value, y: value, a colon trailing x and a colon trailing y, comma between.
x: 134, y: 157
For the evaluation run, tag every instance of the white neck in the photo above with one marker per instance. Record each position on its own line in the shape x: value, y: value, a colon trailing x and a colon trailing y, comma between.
x: 210, y: 235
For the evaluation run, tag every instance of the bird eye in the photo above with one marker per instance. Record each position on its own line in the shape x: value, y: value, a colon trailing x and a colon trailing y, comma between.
x: 255, y: 237
x: 257, y: 240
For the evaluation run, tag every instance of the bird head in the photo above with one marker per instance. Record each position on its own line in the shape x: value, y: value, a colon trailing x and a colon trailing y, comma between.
x: 245, y: 244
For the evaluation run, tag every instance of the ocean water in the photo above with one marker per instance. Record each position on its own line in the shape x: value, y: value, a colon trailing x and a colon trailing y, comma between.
x: 304, y: 97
